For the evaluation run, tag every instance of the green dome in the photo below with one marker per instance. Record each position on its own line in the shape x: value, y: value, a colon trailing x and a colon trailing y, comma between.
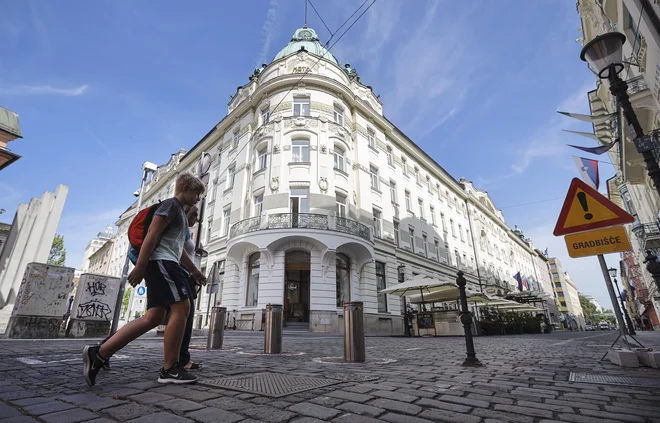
x: 306, y: 38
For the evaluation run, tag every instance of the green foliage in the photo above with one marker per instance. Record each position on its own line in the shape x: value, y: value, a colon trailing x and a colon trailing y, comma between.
x: 588, y: 309
x: 57, y: 256
x: 124, y: 301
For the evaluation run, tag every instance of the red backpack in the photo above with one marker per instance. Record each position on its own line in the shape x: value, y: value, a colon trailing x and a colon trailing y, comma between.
x: 139, y: 227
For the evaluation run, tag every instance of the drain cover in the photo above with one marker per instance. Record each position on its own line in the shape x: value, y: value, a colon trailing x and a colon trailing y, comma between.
x: 273, y: 385
x: 352, y: 377
x: 614, y: 380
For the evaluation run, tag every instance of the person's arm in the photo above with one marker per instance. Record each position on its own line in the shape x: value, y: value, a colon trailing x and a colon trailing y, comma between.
x: 156, y: 228
x: 197, y: 274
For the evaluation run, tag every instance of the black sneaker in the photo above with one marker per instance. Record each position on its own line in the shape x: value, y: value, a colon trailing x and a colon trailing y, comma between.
x: 106, y: 365
x: 176, y: 374
x: 92, y: 363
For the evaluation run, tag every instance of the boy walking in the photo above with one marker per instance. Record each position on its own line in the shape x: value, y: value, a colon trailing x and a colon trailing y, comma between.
x: 158, y: 264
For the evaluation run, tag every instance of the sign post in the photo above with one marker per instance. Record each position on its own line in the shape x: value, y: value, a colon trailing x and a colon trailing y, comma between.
x: 592, y: 225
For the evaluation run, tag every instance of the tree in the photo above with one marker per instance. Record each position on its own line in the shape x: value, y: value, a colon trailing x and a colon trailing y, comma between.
x: 57, y: 254
x: 124, y: 301
x: 588, y: 309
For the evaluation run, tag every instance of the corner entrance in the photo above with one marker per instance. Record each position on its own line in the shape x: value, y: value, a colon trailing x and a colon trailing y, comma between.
x: 296, y: 289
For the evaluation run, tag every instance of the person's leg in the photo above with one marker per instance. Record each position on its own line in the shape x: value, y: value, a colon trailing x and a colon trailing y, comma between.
x: 174, y: 332
x: 184, y: 353
x: 131, y: 331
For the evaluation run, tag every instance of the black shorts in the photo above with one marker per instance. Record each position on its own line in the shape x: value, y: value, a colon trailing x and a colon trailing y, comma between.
x: 166, y: 283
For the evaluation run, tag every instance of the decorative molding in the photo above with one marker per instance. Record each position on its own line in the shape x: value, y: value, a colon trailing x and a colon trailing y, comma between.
x: 276, y: 148
x: 324, y: 149
x: 284, y: 106
x: 275, y: 183
x: 363, y: 167
x: 286, y: 147
x: 323, y: 184
x: 313, y: 147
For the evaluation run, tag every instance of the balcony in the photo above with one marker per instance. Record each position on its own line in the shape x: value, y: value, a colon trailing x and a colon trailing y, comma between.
x: 648, y: 235
x: 301, y: 221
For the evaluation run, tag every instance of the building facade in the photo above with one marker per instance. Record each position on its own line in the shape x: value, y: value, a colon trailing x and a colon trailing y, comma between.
x: 567, y: 298
x: 99, y: 262
x: 93, y: 246
x: 638, y: 21
x: 10, y: 129
x: 316, y: 199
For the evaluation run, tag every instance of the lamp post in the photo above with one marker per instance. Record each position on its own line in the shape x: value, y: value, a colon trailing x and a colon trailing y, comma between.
x: 604, y: 55
x: 466, y: 319
x: 406, y: 316
x: 147, y: 168
x: 631, y: 328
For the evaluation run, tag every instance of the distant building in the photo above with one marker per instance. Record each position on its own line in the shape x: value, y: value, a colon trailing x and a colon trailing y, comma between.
x: 4, y: 233
x: 567, y: 299
x: 9, y: 131
x: 99, y: 262
x: 94, y: 245
x: 592, y: 300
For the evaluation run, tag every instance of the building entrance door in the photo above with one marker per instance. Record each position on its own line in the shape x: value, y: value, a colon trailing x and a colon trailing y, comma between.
x: 296, y: 289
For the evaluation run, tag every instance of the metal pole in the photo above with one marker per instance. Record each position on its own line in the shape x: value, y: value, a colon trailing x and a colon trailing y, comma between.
x: 124, y: 273
x: 610, y: 289
x: 466, y: 319
x: 631, y: 329
x: 354, y: 346
x: 273, y: 331
x: 216, y: 328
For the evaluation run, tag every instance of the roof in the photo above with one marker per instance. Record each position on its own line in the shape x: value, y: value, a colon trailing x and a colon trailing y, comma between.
x: 306, y: 39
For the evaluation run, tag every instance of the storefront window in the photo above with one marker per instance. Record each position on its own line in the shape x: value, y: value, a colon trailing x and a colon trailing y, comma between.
x: 343, y: 280
x: 252, y: 297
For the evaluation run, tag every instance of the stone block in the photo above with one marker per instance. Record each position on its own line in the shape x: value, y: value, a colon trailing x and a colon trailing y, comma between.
x: 648, y: 358
x: 623, y: 357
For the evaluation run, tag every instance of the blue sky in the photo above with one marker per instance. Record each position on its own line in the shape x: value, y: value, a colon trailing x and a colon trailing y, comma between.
x: 100, y: 87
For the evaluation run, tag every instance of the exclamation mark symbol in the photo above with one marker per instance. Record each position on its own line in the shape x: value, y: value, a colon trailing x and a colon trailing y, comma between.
x: 582, y: 197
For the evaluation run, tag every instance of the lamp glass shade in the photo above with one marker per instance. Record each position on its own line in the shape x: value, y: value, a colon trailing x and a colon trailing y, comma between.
x: 604, y: 53
x: 612, y: 271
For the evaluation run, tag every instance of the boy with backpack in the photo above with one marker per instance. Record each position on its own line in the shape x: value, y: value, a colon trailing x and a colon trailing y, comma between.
x: 167, y: 289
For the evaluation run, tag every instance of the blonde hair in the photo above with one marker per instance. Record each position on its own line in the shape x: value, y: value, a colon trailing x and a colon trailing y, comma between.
x: 187, y: 182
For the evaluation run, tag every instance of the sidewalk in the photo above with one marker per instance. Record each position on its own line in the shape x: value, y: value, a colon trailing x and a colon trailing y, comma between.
x: 416, y: 380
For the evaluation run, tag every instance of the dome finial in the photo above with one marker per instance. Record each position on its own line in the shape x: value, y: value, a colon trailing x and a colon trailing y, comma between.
x: 305, y: 24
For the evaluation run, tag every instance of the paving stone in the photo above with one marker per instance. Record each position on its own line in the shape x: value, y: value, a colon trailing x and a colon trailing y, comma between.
x: 354, y: 418
x: 448, y: 416
x: 101, y: 420
x: 150, y: 398
x: 360, y: 389
x: 24, y: 402
x: 16, y: 394
x: 576, y: 404
x: 179, y: 405
x: 543, y: 406
x: 161, y: 418
x: 635, y: 411
x: 465, y: 401
x: 227, y: 403
x: 46, y: 408
x: 267, y: 414
x: 428, y: 403
x: 350, y: 396
x: 493, y: 399
x: 197, y: 396
x: 214, y: 415
x: 395, y: 396
x: 307, y: 420
x: 578, y: 418
x: 8, y: 411
x: 417, y: 393
x: 313, y: 410
x: 74, y: 415
x: 18, y: 419
x: 397, y: 406
x: 400, y: 418
x: 507, y: 417
x: 614, y: 416
x: 143, y: 385
x: 524, y: 410
x: 361, y: 409
x: 91, y: 402
x: 129, y: 411
x: 324, y: 401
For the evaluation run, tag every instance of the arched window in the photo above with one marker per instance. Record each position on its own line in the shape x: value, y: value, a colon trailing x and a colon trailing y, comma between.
x: 343, y: 280
x: 252, y: 297
x: 339, y: 159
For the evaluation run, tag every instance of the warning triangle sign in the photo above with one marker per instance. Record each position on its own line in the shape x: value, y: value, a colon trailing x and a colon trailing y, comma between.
x: 585, y: 209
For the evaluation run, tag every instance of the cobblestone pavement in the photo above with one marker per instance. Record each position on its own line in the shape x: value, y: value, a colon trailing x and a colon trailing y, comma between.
x: 524, y: 379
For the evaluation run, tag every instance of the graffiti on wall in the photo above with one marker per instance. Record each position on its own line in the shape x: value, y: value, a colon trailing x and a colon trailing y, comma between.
x: 95, y: 297
x: 44, y: 291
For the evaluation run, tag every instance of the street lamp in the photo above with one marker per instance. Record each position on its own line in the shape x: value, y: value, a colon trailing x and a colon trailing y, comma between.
x: 604, y: 55
x: 631, y: 328
x: 466, y: 319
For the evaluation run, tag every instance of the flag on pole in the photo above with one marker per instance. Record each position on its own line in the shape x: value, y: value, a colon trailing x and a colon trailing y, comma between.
x: 587, y: 134
x: 545, y: 253
x: 589, y: 118
x: 596, y: 150
x: 519, y: 280
x: 525, y: 285
x: 588, y: 169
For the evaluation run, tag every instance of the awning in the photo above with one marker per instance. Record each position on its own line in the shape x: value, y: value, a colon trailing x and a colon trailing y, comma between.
x: 420, y: 285
x: 448, y: 293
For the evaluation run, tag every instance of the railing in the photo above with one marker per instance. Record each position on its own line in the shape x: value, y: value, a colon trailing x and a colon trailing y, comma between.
x: 302, y: 221
x: 636, y: 85
x: 643, y: 295
x: 648, y: 234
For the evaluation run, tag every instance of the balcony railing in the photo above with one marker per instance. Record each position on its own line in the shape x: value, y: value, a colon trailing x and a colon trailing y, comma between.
x: 636, y: 85
x: 648, y: 234
x: 301, y: 221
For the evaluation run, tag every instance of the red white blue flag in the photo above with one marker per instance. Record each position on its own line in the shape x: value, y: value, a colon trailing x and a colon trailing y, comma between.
x: 518, y: 278
x: 588, y: 169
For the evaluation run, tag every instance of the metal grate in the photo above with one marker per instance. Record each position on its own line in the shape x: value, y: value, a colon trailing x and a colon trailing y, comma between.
x: 273, y: 385
x: 352, y: 377
x: 614, y: 380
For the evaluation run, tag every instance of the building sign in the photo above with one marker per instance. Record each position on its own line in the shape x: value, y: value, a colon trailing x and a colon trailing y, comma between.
x: 600, y: 241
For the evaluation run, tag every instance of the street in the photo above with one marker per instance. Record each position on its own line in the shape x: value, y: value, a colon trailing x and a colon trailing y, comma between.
x: 524, y: 379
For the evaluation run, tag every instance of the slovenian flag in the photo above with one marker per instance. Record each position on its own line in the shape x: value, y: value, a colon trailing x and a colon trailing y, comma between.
x: 519, y: 279
x: 524, y: 283
x: 588, y: 169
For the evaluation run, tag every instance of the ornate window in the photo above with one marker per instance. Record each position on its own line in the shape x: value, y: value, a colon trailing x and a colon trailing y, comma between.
x: 236, y: 138
x: 375, y: 184
x: 381, y: 283
x: 252, y: 297
x: 343, y: 280
x: 371, y: 138
x: 341, y: 205
x: 258, y: 204
x: 263, y: 159
x: 301, y: 106
x: 339, y: 116
x: 226, y: 221
x: 339, y: 159
x: 300, y: 151
x: 377, y: 223
x: 265, y: 116
x: 231, y: 176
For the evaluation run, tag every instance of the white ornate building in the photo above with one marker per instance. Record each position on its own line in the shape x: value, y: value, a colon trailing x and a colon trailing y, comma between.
x: 315, y: 199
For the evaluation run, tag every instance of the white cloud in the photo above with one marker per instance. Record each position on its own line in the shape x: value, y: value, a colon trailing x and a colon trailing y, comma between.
x: 43, y: 90
x: 267, y: 31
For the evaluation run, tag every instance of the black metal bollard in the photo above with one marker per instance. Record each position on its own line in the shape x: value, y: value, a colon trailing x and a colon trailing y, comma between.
x: 466, y: 319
